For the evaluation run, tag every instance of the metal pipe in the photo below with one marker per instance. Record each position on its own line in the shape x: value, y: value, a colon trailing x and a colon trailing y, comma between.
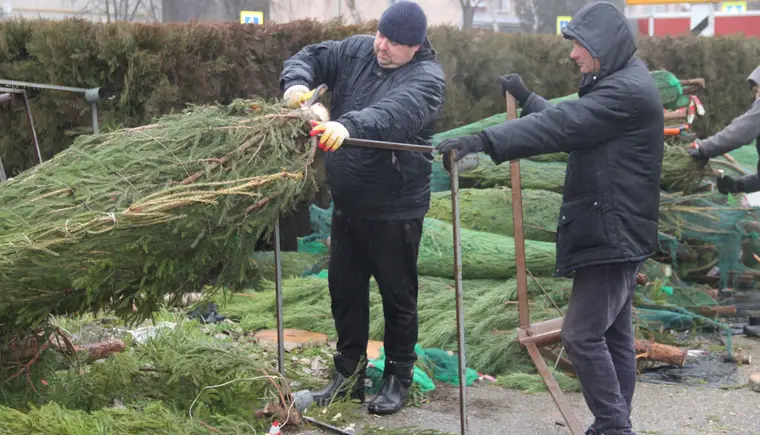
x: 326, y: 426
x: 95, y: 127
x: 278, y: 296
x: 31, y: 125
x: 459, y: 294
x: 2, y: 172
x: 388, y: 145
x: 41, y: 86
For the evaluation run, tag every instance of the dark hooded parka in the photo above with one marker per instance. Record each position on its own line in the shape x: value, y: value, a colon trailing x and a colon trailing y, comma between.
x: 614, y: 133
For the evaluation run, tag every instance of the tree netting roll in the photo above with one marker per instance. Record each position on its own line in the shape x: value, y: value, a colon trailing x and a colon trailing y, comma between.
x: 713, y: 222
x: 538, y: 175
x: 490, y: 211
x: 484, y: 255
x: 671, y: 91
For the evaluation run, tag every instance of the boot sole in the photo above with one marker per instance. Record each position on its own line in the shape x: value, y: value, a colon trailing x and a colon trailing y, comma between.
x: 372, y: 410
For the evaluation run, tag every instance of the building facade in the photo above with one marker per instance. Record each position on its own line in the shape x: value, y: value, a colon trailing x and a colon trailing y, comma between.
x: 492, y: 14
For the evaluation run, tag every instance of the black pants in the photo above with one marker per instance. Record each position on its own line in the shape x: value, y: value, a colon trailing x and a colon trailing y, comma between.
x: 599, y: 338
x: 387, y: 250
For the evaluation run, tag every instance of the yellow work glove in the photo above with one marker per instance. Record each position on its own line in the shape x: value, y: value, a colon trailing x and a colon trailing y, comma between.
x: 296, y: 95
x: 333, y: 134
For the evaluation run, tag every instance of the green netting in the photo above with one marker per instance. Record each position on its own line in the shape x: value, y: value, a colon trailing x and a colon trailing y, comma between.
x: 538, y: 175
x: 440, y: 364
x: 477, y: 127
x: 717, y: 224
x: 314, y: 243
x: 484, y: 255
x: 292, y: 265
x: 376, y: 367
x: 320, y: 218
x: 490, y: 211
x: 746, y: 156
x: 671, y: 92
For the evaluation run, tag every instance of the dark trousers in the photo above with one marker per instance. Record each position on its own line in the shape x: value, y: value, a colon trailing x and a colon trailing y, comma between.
x: 387, y: 250
x: 599, y: 338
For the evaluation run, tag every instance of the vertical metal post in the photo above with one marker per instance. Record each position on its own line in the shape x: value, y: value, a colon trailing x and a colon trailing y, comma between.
x: 2, y: 172
x: 517, y: 219
x: 95, y: 127
x: 31, y: 125
x: 278, y: 296
x: 459, y: 296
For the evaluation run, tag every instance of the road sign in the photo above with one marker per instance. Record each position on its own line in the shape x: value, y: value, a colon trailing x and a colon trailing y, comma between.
x: 562, y: 22
x: 251, y: 17
x: 734, y: 7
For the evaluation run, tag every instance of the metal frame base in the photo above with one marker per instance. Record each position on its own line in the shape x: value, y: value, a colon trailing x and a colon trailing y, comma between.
x: 532, y: 337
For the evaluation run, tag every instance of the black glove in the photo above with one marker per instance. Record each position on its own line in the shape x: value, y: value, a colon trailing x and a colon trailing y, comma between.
x: 463, y: 145
x: 696, y: 153
x: 728, y: 185
x: 513, y: 84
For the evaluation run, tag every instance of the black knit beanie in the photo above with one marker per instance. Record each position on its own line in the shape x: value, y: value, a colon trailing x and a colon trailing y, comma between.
x: 404, y: 23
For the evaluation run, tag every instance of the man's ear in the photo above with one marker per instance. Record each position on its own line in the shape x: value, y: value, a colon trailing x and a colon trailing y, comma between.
x: 416, y: 47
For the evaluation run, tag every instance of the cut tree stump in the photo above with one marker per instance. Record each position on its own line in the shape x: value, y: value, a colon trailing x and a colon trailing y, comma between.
x: 652, y: 351
x: 294, y: 338
x: 740, y: 356
x: 102, y: 350
x: 754, y: 382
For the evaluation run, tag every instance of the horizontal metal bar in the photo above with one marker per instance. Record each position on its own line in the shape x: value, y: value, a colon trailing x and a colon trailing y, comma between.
x: 324, y: 425
x: 388, y: 145
x: 41, y: 86
x: 12, y: 90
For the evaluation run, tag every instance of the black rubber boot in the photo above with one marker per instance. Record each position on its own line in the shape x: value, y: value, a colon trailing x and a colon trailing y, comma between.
x: 397, y: 379
x: 341, y: 382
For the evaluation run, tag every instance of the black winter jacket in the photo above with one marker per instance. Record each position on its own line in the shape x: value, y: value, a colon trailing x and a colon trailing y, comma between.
x: 614, y: 133
x: 394, y: 105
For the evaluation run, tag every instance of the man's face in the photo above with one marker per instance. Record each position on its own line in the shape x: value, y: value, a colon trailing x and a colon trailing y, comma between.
x: 392, y: 55
x: 583, y: 58
x: 756, y: 90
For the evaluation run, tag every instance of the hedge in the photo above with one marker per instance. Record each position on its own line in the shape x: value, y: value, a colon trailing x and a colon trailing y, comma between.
x: 156, y: 68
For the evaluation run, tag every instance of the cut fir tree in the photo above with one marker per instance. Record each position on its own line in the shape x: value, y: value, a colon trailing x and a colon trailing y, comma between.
x: 122, y: 219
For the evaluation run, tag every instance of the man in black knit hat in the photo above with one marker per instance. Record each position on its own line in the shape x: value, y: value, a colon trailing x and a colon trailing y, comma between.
x: 388, y: 87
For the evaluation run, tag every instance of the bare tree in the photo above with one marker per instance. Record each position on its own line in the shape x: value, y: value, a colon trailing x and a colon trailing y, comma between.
x: 540, y: 16
x: 354, y: 12
x: 468, y: 12
x: 122, y: 10
x: 493, y: 7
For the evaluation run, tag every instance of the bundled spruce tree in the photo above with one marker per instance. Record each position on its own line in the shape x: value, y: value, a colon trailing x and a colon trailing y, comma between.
x: 121, y: 219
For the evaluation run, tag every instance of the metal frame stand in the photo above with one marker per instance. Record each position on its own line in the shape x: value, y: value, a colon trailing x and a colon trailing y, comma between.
x: 457, y: 270
x: 5, y: 95
x: 531, y: 337
x: 91, y: 95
